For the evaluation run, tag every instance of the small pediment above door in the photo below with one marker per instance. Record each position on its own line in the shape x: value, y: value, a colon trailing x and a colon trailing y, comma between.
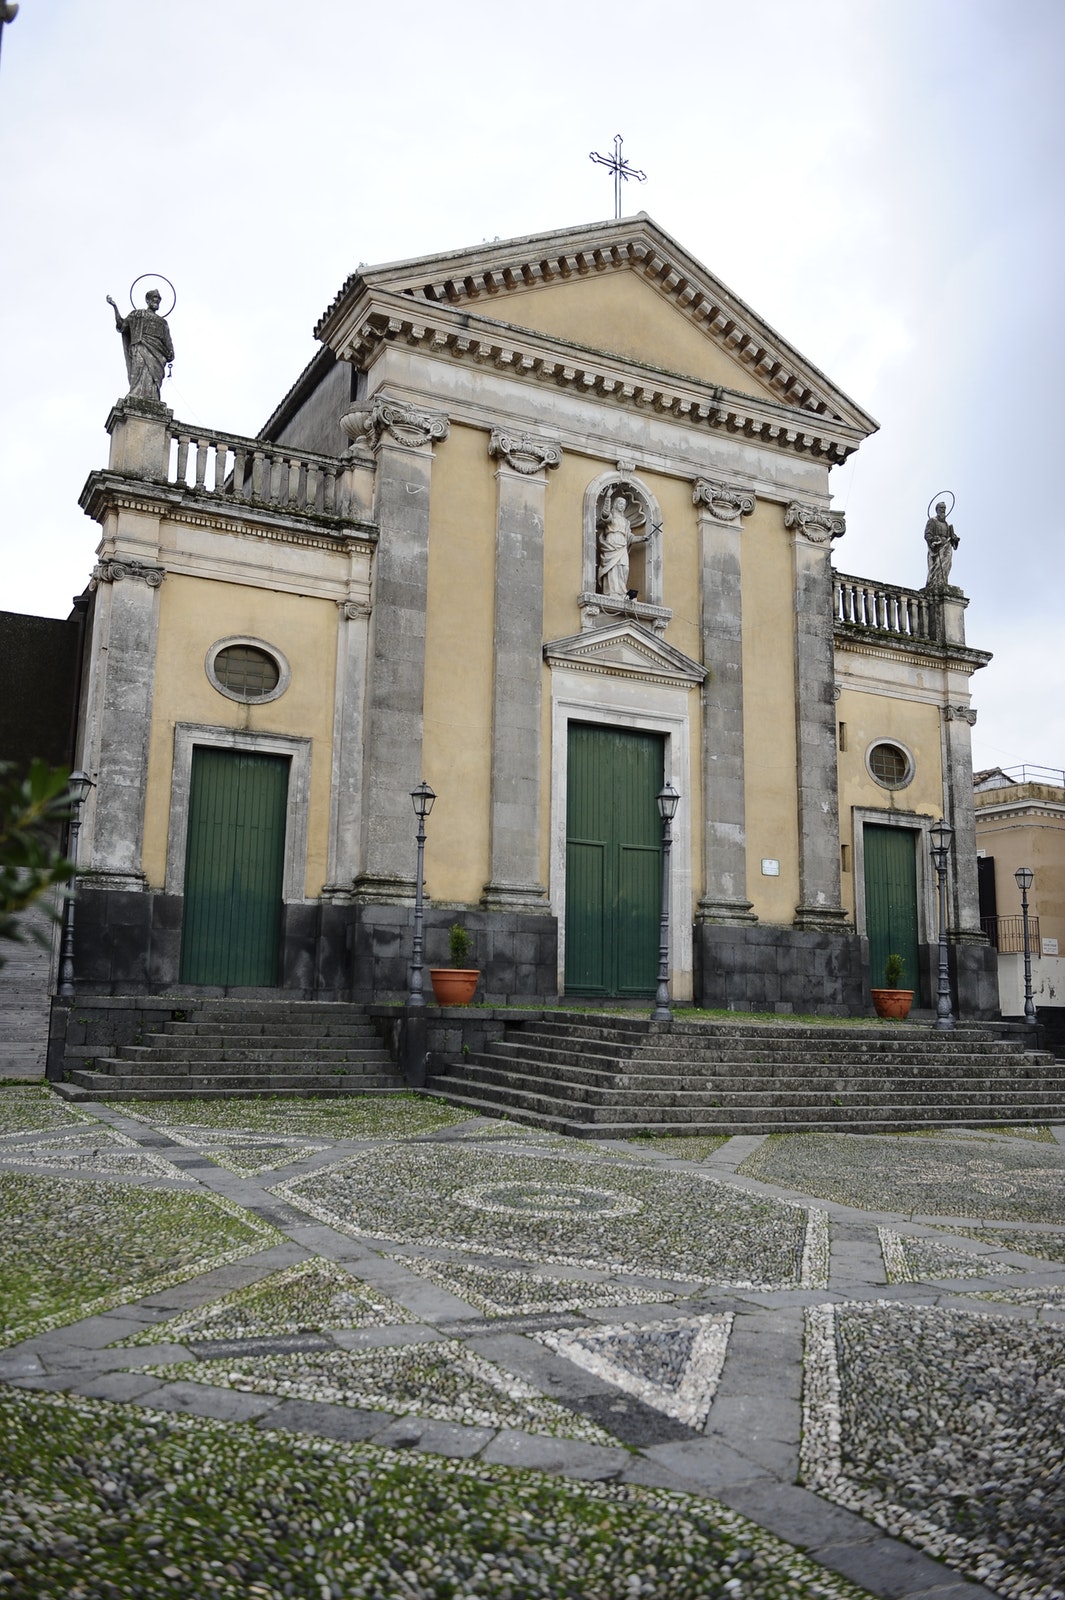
x: 625, y: 650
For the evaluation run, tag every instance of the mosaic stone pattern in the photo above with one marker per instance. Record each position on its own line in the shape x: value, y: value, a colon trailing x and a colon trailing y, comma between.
x: 239, y: 1150
x: 503, y: 1291
x: 27, y: 1108
x: 672, y: 1366
x: 935, y: 1177
x: 344, y: 1117
x: 100, y: 1151
x: 314, y: 1296
x: 554, y: 1209
x: 947, y: 1427
x: 917, y: 1260
x: 442, y: 1379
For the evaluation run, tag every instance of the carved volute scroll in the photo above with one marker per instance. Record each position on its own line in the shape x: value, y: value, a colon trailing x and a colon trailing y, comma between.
x: 407, y: 425
x: 726, y: 502
x: 113, y: 571
x: 524, y: 452
x: 814, y: 523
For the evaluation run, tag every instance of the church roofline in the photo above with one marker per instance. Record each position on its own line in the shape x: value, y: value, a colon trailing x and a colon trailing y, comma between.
x: 377, y: 317
x: 457, y: 278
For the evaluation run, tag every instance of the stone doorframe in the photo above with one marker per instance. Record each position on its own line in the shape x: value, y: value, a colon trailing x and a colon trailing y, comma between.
x: 187, y: 735
x: 913, y: 822
x: 578, y: 696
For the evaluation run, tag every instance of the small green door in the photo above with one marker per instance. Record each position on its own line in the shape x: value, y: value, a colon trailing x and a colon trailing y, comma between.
x: 613, y: 861
x: 234, y: 868
x: 891, y: 902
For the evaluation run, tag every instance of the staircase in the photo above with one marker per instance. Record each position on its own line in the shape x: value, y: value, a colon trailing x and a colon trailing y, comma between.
x: 245, y: 1047
x: 609, y: 1078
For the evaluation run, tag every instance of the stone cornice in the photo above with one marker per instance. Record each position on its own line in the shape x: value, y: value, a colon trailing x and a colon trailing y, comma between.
x: 491, y: 272
x: 380, y: 319
x: 878, y: 645
x: 105, y: 491
x: 627, y: 650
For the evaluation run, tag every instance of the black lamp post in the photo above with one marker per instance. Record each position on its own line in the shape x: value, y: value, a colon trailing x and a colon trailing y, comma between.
x: 668, y: 800
x: 422, y: 799
x: 940, y: 836
x: 1024, y: 877
x: 79, y: 785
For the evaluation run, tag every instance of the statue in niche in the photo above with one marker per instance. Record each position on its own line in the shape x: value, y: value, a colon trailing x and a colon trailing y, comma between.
x: 616, y: 539
x: 942, y: 542
x: 147, y: 346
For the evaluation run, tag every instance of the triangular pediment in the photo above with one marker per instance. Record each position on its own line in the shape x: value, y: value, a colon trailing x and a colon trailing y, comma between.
x: 623, y: 289
x: 625, y: 650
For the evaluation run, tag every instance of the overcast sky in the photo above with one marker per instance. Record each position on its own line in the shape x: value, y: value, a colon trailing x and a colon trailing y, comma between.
x: 880, y: 179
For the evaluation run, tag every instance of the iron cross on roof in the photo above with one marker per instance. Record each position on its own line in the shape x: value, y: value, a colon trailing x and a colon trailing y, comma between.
x: 620, y: 168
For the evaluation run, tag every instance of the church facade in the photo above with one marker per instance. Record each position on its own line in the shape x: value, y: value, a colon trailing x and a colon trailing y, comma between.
x: 547, y: 524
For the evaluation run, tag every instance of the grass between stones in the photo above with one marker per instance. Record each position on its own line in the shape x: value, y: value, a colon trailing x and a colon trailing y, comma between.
x: 103, y: 1502
x: 74, y: 1247
x: 941, y: 1177
x: 35, y: 1108
x: 340, y: 1117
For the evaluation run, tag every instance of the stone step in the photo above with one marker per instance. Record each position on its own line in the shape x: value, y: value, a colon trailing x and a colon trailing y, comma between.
x: 560, y: 1060
x: 265, y: 1052
x: 109, y: 1084
x: 87, y: 1089
x: 707, y: 1044
x: 770, y: 1116
x: 796, y: 1092
x: 285, y: 1027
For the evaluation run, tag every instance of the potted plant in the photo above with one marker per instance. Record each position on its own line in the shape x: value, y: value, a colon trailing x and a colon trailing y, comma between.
x: 454, y: 985
x: 892, y: 1001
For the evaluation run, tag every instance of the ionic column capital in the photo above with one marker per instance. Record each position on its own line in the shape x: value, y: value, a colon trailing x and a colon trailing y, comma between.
x: 113, y: 571
x: 725, y: 502
x: 815, y: 524
x: 406, y: 425
x: 524, y: 452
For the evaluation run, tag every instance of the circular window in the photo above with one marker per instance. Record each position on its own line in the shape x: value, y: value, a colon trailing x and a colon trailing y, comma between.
x: 247, y: 670
x: 890, y: 765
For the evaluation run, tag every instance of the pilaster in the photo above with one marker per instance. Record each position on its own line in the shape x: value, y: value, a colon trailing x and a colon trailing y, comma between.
x: 958, y: 808
x: 353, y: 629
x: 118, y: 713
x: 721, y: 508
x: 815, y: 722
x: 514, y: 848
x: 401, y: 438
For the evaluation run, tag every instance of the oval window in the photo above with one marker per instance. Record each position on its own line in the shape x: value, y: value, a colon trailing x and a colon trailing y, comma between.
x: 246, y: 670
x: 890, y: 765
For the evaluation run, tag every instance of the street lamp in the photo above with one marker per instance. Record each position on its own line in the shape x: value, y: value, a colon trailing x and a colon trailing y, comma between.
x: 422, y: 799
x: 1024, y: 877
x: 940, y: 836
x: 668, y: 800
x: 78, y: 786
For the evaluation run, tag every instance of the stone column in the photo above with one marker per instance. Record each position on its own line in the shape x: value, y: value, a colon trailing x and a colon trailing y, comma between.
x: 118, y: 712
x: 402, y: 438
x: 815, y: 718
x: 514, y: 850
x: 724, y: 897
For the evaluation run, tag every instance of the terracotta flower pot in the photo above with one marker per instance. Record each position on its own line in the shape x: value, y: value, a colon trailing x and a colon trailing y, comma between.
x: 892, y: 1003
x: 454, y: 986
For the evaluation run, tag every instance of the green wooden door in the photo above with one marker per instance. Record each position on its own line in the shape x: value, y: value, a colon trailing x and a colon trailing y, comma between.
x: 613, y: 861
x: 891, y: 902
x: 234, y: 868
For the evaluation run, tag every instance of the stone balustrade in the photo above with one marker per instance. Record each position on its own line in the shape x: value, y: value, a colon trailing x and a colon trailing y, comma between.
x: 864, y: 603
x: 254, y: 472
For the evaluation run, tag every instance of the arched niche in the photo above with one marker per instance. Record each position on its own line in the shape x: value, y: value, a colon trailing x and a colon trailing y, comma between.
x: 645, y: 560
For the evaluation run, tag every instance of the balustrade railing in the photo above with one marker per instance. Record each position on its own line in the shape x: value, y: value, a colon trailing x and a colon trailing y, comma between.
x: 863, y: 603
x: 253, y: 472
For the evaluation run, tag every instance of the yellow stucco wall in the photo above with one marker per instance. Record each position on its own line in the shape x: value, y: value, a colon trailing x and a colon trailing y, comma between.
x: 1030, y: 837
x: 769, y: 713
x: 867, y: 719
x: 457, y: 740
x: 622, y: 313
x: 193, y: 615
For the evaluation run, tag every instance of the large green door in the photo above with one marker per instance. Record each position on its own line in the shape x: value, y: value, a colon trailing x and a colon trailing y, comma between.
x: 234, y: 868
x: 891, y: 902
x: 613, y: 861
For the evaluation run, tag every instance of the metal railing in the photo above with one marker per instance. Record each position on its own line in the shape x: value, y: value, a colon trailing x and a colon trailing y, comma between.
x: 1006, y: 934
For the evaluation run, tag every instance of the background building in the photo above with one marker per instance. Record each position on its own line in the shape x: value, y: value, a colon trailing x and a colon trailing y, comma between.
x: 546, y: 523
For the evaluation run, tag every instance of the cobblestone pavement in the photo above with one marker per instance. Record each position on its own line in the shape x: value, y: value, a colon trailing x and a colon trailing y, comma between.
x: 685, y: 1370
